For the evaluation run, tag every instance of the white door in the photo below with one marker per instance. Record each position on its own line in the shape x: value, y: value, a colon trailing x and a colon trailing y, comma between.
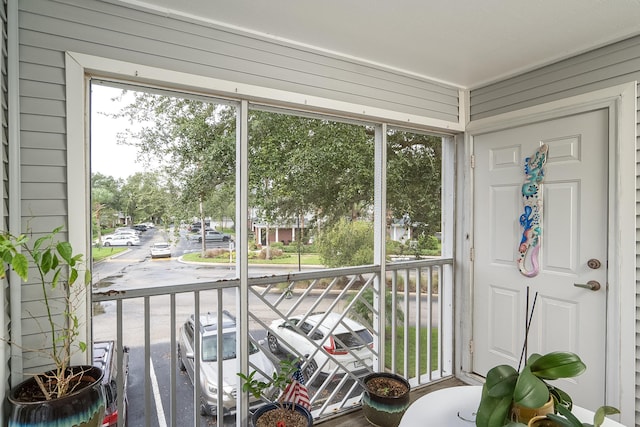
x: 574, y: 232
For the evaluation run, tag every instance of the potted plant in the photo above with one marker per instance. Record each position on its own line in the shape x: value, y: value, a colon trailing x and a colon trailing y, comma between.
x: 67, y: 394
x: 385, y: 398
x: 281, y: 413
x: 507, y: 393
x: 569, y: 420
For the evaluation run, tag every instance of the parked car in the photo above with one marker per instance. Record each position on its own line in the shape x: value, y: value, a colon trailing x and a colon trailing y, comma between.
x: 341, y: 340
x: 104, y: 357
x: 195, y: 228
x: 160, y: 250
x: 214, y: 236
x: 126, y: 230
x: 121, y: 240
x: 207, y: 378
x: 140, y: 227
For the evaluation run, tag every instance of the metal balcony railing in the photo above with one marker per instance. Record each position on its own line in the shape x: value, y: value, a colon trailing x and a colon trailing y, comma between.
x: 408, y: 314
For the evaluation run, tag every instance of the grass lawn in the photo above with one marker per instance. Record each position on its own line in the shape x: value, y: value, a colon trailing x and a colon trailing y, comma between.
x: 412, y: 350
x: 305, y: 259
x: 99, y: 254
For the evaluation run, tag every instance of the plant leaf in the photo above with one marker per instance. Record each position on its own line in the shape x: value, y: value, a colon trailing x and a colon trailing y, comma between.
x: 562, y: 421
x: 20, y: 265
x: 65, y: 251
x: 493, y: 411
x: 571, y: 419
x: 501, y: 381
x: 558, y: 364
x: 598, y: 418
x: 530, y: 390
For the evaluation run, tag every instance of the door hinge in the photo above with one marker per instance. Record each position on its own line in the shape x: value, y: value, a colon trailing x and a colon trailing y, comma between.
x: 471, y: 347
x: 473, y: 161
x: 472, y: 254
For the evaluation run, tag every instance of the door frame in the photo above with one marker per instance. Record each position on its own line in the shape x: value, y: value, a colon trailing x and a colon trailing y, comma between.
x: 620, y: 331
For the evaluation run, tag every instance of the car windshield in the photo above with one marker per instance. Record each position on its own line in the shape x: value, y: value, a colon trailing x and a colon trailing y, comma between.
x: 361, y: 338
x: 210, y: 347
x: 160, y: 246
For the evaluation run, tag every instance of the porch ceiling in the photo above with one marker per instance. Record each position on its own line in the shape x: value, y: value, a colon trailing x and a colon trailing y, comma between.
x: 467, y: 43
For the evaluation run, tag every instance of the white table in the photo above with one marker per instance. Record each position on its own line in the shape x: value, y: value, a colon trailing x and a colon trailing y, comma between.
x: 457, y: 406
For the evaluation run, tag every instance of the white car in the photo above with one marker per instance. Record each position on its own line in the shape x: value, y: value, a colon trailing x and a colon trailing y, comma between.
x: 208, y: 376
x: 126, y: 230
x: 160, y: 250
x: 344, y: 343
x: 120, y: 240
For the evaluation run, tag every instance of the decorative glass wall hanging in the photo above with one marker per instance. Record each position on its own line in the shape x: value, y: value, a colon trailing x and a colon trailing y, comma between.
x: 531, y: 219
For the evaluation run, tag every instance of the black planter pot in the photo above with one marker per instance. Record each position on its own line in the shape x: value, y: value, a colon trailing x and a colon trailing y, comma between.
x: 84, y: 407
x: 382, y: 410
x: 271, y: 406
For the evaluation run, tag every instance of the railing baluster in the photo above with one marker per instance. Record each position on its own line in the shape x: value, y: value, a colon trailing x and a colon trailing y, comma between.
x: 327, y: 397
x: 147, y: 365
x: 173, y: 380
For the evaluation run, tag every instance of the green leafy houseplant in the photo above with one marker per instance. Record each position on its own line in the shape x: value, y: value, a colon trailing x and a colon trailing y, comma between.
x: 283, y: 414
x: 505, y: 386
x: 57, y: 271
x: 569, y: 420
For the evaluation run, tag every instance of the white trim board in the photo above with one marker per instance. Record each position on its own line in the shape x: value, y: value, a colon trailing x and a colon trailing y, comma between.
x: 131, y: 72
x: 621, y: 102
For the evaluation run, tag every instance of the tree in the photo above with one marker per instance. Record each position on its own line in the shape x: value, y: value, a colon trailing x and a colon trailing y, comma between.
x: 414, y: 180
x: 346, y: 243
x: 105, y: 191
x: 296, y: 164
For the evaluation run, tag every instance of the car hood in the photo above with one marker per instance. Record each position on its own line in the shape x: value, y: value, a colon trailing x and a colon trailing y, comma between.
x: 230, y: 378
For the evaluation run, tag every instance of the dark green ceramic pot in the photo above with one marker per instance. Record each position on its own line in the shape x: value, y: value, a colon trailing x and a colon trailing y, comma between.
x: 83, y: 408
x: 382, y: 407
x: 267, y: 407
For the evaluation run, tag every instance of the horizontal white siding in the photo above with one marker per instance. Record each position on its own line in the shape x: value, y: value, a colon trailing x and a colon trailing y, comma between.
x: 111, y: 31
x: 608, y: 66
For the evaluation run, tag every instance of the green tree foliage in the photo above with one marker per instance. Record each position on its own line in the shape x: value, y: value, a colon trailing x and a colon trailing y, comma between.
x: 414, y: 180
x: 192, y: 140
x: 346, y: 243
x: 145, y: 197
x: 309, y: 165
x: 297, y: 164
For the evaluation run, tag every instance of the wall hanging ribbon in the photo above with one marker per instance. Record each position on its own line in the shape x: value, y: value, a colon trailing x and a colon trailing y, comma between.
x: 531, y: 219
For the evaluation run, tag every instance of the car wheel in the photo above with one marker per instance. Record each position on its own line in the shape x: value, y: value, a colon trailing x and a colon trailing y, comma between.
x: 225, y: 239
x: 200, y: 240
x: 203, y: 410
x: 272, y: 341
x: 107, y: 244
x: 129, y: 243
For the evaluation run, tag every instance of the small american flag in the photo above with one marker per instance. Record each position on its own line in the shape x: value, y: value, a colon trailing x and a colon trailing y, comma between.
x: 296, y: 391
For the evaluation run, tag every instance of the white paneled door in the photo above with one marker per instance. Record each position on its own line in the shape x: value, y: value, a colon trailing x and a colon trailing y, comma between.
x: 570, y: 309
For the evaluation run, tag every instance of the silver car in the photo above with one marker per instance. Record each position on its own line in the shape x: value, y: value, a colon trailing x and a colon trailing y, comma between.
x: 332, y: 343
x: 208, y: 376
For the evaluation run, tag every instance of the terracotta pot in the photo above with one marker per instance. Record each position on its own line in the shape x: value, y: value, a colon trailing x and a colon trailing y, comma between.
x: 523, y: 414
x: 542, y: 421
x: 383, y: 410
x: 271, y: 406
x: 84, y: 407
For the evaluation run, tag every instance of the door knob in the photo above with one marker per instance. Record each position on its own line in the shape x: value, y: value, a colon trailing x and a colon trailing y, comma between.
x: 592, y: 285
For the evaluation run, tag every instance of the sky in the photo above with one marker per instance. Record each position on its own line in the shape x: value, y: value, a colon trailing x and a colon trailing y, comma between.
x: 107, y: 156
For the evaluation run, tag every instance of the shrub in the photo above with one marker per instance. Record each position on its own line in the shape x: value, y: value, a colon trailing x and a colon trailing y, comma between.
x: 215, y: 253
x: 275, y: 253
x: 346, y: 243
